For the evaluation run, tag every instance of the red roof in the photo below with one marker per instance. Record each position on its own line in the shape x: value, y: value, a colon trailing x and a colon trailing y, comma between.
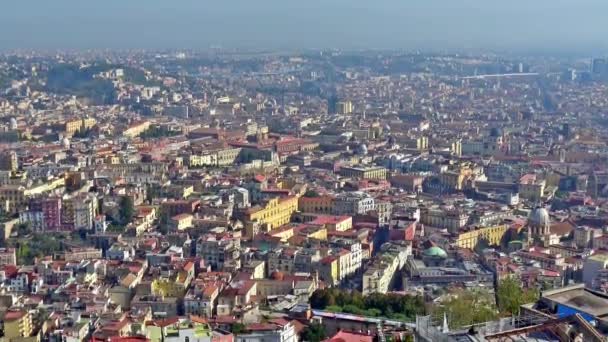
x: 259, y: 178
x: 328, y: 259
x: 527, y: 179
x: 343, y: 336
x: 262, y: 327
x: 128, y: 339
x: 198, y: 319
x: 224, y: 319
x: 166, y: 322
x: 10, y: 270
x: 329, y: 219
x: 189, y: 265
x: 280, y: 321
x: 13, y: 315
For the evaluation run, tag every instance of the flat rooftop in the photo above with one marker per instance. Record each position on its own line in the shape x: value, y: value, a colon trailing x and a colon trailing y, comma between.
x: 582, y: 300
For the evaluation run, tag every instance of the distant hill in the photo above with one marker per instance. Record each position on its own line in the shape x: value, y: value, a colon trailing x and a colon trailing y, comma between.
x: 70, y: 79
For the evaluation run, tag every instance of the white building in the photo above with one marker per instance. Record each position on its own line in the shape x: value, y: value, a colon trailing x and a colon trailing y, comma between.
x: 379, y: 276
x: 273, y: 332
x: 353, y: 203
x: 85, y: 210
x: 592, y: 266
x: 34, y: 218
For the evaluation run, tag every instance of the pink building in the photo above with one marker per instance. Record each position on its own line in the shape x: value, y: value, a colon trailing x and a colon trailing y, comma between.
x: 51, y: 210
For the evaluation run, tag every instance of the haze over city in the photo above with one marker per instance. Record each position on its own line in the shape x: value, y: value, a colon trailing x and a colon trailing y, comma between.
x: 521, y: 25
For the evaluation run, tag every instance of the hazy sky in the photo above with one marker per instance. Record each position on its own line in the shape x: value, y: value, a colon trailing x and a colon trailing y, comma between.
x: 277, y: 24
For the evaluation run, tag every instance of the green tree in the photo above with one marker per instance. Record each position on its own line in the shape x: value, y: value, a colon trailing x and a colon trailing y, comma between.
x: 24, y: 255
x: 238, y: 328
x: 482, y: 244
x: 511, y: 296
x: 321, y: 299
x: 127, y: 209
x: 467, y: 307
x: 313, y: 333
x: 24, y: 228
x: 152, y: 192
x: 402, y: 307
x: 311, y: 193
x: 155, y: 132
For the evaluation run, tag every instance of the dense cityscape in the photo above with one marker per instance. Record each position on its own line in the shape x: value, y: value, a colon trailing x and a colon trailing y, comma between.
x: 324, y: 195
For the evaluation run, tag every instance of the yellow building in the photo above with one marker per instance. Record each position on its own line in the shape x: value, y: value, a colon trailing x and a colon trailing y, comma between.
x: 339, y: 223
x: 196, y: 160
x: 318, y: 233
x: 344, y: 107
x: 136, y: 129
x: 284, y: 234
x: 454, y: 179
x: 276, y: 213
x: 73, y: 126
x: 328, y: 270
x: 17, y: 324
x: 182, y: 221
x: 88, y: 123
x: 422, y: 143
x: 343, y: 264
x: 492, y: 235
x: 364, y: 172
x: 256, y: 268
x: 456, y: 148
x: 165, y: 287
x: 180, y: 191
x: 317, y: 205
x: 219, y: 157
x: 227, y: 156
x: 531, y: 188
x: 112, y: 160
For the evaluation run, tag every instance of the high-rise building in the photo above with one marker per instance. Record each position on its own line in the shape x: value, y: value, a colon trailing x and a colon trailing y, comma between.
x: 599, y: 66
x: 344, y: 107
x: 9, y: 161
x: 332, y: 104
x: 51, y: 211
x: 85, y: 210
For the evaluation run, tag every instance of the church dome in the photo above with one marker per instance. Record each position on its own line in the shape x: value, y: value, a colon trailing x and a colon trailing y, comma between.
x: 65, y: 142
x: 435, y: 252
x: 539, y: 217
x: 362, y: 149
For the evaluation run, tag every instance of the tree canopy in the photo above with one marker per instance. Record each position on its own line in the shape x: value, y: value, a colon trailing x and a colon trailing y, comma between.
x: 37, y: 246
x: 127, y: 209
x: 238, y: 328
x: 315, y: 332
x: 157, y: 132
x: 311, y: 193
x: 511, y: 296
x: 467, y: 307
x: 395, y: 306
